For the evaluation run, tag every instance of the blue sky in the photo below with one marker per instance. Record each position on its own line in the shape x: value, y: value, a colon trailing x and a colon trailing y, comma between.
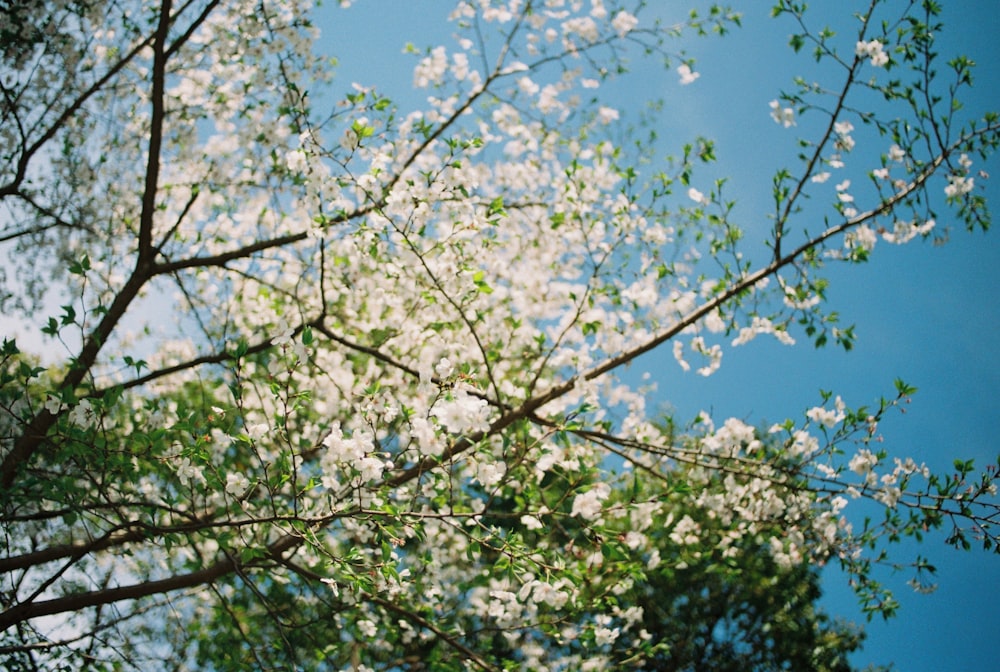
x: 926, y: 314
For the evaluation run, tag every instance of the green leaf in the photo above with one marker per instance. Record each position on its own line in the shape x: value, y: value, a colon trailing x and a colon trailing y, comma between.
x: 81, y: 266
x: 481, y: 285
x: 903, y: 389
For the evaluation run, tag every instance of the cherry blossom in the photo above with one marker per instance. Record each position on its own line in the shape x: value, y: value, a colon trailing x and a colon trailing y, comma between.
x: 782, y: 115
x: 874, y: 51
x: 686, y: 74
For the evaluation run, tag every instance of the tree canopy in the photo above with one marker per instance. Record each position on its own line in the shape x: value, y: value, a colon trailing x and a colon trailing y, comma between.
x: 326, y: 382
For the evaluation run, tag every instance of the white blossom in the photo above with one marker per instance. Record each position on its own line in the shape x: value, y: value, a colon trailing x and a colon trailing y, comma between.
x: 236, y: 484
x: 784, y: 116
x: 588, y: 504
x: 607, y: 114
x: 697, y: 196
x: 624, y: 23
x: 686, y: 74
x: 863, y: 462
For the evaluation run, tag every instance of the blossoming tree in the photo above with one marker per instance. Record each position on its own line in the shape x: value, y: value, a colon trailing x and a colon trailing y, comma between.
x: 340, y: 382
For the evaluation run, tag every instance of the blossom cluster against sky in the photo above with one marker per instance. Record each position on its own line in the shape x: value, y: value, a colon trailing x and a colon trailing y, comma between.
x: 923, y: 313
x: 927, y: 314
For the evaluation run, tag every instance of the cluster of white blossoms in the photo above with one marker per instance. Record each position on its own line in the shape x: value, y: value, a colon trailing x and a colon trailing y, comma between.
x: 889, y: 487
x: 961, y: 183
x: 431, y: 69
x: 762, y: 325
x: 828, y: 417
x: 750, y: 499
x: 874, y: 51
x: 354, y: 457
x: 904, y: 232
x: 462, y: 413
x: 782, y: 115
x: 624, y: 23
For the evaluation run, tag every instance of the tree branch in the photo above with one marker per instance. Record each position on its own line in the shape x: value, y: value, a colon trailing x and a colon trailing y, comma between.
x: 151, y: 185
